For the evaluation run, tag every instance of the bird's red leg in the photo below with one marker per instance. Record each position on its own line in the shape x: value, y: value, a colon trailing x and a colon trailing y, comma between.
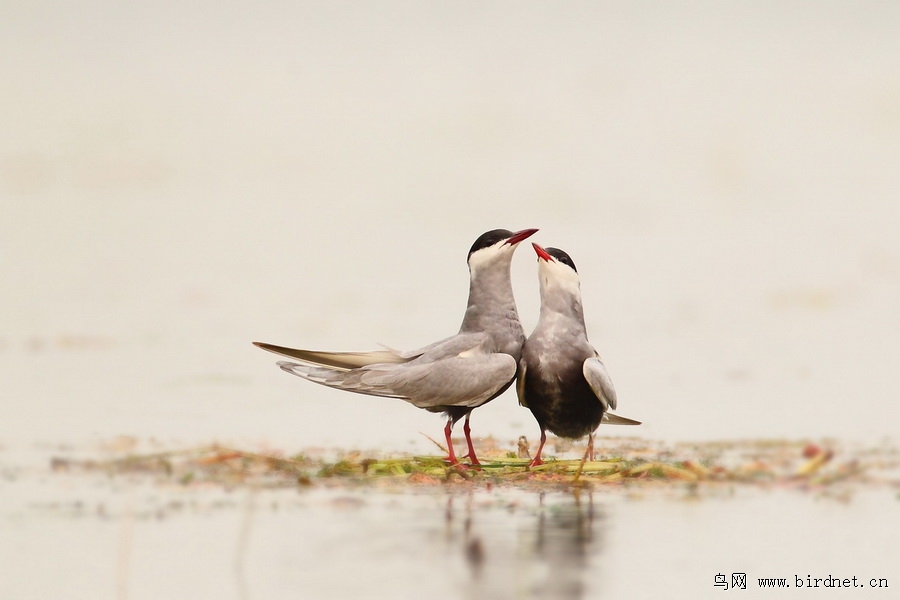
x: 471, y: 455
x: 452, y: 458
x: 537, y: 457
x: 588, y: 452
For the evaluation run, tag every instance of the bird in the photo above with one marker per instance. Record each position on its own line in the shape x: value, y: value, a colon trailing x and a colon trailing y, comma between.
x: 561, y: 377
x: 452, y: 376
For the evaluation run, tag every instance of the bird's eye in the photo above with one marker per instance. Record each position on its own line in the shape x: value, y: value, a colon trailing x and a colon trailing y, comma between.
x: 562, y: 257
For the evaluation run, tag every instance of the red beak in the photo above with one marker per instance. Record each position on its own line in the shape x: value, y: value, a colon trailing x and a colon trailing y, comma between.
x: 520, y: 235
x: 542, y: 254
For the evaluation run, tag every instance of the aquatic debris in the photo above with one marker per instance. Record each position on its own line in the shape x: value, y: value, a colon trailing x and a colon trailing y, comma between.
x: 631, y: 462
x: 522, y: 450
x: 817, y: 458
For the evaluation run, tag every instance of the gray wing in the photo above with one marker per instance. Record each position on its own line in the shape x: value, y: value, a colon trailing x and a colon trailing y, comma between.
x: 336, y: 360
x: 597, y: 377
x: 354, y: 360
x: 411, y: 354
x: 467, y: 379
x: 445, y: 347
x: 461, y: 343
x: 336, y: 378
x: 458, y: 371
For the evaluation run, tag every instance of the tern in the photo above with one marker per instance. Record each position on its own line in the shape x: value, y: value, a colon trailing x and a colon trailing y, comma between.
x: 451, y: 376
x: 561, y: 378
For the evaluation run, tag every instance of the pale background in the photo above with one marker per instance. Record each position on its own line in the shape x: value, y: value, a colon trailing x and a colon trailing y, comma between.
x: 178, y: 180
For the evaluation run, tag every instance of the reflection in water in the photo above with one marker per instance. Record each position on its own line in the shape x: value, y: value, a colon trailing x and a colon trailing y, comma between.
x: 564, y: 544
x: 546, y: 554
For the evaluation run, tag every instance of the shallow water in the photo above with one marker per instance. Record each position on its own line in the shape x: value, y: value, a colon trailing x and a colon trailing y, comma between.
x: 123, y: 537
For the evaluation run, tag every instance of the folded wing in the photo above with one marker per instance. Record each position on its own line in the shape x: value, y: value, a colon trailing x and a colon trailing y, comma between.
x: 458, y: 371
x: 598, y: 378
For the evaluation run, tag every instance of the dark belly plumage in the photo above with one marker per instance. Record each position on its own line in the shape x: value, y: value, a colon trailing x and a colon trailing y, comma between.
x: 563, y: 404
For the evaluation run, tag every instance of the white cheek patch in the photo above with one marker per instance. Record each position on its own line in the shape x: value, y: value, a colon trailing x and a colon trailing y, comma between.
x: 570, y: 282
x: 556, y: 275
x: 488, y: 256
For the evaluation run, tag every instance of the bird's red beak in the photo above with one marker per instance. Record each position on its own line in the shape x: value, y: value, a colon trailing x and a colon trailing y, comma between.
x: 520, y: 235
x: 542, y: 254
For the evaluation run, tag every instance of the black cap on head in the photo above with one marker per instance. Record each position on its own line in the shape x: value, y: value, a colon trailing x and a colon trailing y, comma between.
x: 490, y: 238
x: 562, y: 257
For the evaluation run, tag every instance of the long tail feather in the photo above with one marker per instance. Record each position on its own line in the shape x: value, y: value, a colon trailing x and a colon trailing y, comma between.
x: 335, y: 360
x: 611, y: 419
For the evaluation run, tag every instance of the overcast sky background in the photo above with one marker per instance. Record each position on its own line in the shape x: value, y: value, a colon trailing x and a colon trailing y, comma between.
x: 178, y: 180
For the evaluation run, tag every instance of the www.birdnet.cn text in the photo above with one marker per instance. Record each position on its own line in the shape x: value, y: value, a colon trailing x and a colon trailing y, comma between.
x: 740, y: 581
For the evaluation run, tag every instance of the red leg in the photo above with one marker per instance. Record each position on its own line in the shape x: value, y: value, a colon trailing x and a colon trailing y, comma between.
x: 452, y: 458
x: 537, y: 457
x: 590, y: 447
x: 471, y: 455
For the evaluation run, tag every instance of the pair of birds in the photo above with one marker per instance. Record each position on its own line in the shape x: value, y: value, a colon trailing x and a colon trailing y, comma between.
x: 560, y: 376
